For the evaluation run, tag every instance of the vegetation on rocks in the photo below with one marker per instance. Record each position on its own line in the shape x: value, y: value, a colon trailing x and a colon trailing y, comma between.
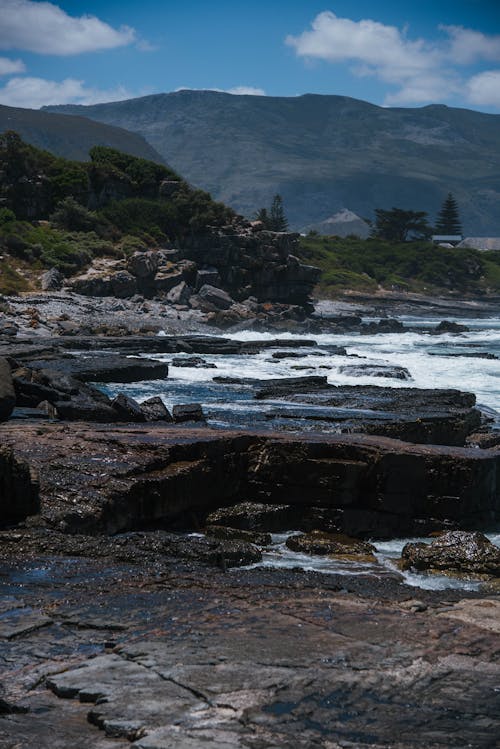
x: 365, y: 265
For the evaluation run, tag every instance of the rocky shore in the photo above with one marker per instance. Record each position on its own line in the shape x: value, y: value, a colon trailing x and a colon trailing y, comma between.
x: 137, y: 606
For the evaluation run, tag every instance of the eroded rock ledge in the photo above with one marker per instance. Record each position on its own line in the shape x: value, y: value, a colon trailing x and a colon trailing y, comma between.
x: 115, y: 478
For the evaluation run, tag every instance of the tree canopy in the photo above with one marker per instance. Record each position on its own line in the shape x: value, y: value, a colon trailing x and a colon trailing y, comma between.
x: 399, y: 225
x: 448, y: 219
x: 273, y: 219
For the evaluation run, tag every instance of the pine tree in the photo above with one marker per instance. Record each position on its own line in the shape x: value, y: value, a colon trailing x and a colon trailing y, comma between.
x: 448, y: 219
x: 277, y: 216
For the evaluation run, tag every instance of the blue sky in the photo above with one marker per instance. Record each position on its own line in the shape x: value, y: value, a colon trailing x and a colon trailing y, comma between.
x: 409, y: 53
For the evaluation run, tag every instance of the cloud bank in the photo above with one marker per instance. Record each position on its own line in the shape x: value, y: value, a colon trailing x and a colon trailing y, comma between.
x: 46, y: 29
x: 33, y: 93
x: 421, y: 71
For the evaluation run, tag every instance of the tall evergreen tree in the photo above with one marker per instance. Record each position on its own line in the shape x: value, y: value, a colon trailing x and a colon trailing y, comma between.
x: 448, y: 219
x: 273, y: 219
x: 277, y: 215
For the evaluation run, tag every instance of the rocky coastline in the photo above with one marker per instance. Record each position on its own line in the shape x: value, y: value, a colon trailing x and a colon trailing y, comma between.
x: 137, y: 608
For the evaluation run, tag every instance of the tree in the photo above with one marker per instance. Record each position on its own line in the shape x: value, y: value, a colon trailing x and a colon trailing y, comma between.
x: 399, y: 225
x: 448, y: 219
x: 273, y: 219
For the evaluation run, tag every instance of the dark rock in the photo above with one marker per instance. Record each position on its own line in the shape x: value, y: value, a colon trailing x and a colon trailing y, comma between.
x: 123, y: 284
x: 179, y: 294
x: 387, y: 325
x: 321, y: 543
x: 252, y: 516
x: 52, y: 280
x: 447, y: 326
x: 287, y: 355
x: 192, y: 361
x: 225, y: 533
x: 106, y: 368
x: 455, y: 551
x: 155, y: 410
x: 216, y: 297
x: 88, y: 405
x: 92, y: 285
x: 208, y: 276
x: 276, y: 388
x: 165, y: 280
x: 7, y: 393
x: 375, y: 370
x: 19, y: 496
x: 143, y: 264
x: 187, y: 412
x: 127, y: 408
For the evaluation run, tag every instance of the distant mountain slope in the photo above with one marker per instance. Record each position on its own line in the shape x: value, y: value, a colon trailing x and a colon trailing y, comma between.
x: 322, y: 153
x: 72, y: 137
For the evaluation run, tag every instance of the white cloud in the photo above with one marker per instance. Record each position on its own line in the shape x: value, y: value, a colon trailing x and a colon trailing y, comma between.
x: 422, y: 71
x: 45, y: 28
x: 483, y: 89
x: 382, y: 48
x: 33, y: 93
x: 246, y: 91
x: 467, y: 45
x: 9, y: 67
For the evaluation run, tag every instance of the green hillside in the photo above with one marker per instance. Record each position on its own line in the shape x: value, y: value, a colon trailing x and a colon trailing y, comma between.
x: 350, y: 264
x: 321, y: 153
x: 60, y: 213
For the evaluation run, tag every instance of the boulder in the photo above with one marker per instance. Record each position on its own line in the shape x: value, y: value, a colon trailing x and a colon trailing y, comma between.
x: 165, y: 280
x: 188, y: 412
x: 219, y: 298
x: 321, y: 543
x: 179, y: 294
x: 143, y: 264
x: 192, y: 361
x: 231, y: 534
x: 123, y: 284
x: 52, y: 280
x: 375, y: 370
x: 208, y: 276
x: 447, y: 326
x: 155, y: 410
x: 252, y: 516
x: 92, y: 285
x: 127, y: 408
x: 454, y: 551
x: 7, y: 393
x: 387, y: 325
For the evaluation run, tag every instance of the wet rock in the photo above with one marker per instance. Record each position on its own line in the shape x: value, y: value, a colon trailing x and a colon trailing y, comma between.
x: 106, y: 368
x: 447, y: 326
x: 52, y: 280
x: 375, y: 370
x: 192, y: 361
x: 320, y: 543
x: 155, y: 410
x: 231, y: 534
x: 127, y: 409
x: 277, y: 388
x: 253, y: 516
x: 187, y: 412
x: 7, y: 393
x: 387, y: 325
x: 455, y: 551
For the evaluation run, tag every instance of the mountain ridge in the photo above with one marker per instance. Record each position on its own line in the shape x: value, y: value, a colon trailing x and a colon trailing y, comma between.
x: 322, y: 153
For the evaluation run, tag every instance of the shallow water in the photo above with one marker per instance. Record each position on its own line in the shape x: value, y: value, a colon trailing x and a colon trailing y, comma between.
x: 424, y: 355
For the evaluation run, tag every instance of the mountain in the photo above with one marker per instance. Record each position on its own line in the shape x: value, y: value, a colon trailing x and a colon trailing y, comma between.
x: 321, y: 153
x: 342, y: 224
x: 72, y: 137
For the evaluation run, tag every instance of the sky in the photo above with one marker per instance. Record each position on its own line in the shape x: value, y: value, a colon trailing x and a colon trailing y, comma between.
x: 407, y: 53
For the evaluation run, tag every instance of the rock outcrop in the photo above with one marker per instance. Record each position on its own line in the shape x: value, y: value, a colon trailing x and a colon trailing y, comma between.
x: 455, y: 551
x: 7, y: 394
x: 18, y: 488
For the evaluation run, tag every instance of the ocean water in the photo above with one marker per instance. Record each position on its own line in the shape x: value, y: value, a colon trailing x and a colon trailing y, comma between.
x: 424, y: 355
